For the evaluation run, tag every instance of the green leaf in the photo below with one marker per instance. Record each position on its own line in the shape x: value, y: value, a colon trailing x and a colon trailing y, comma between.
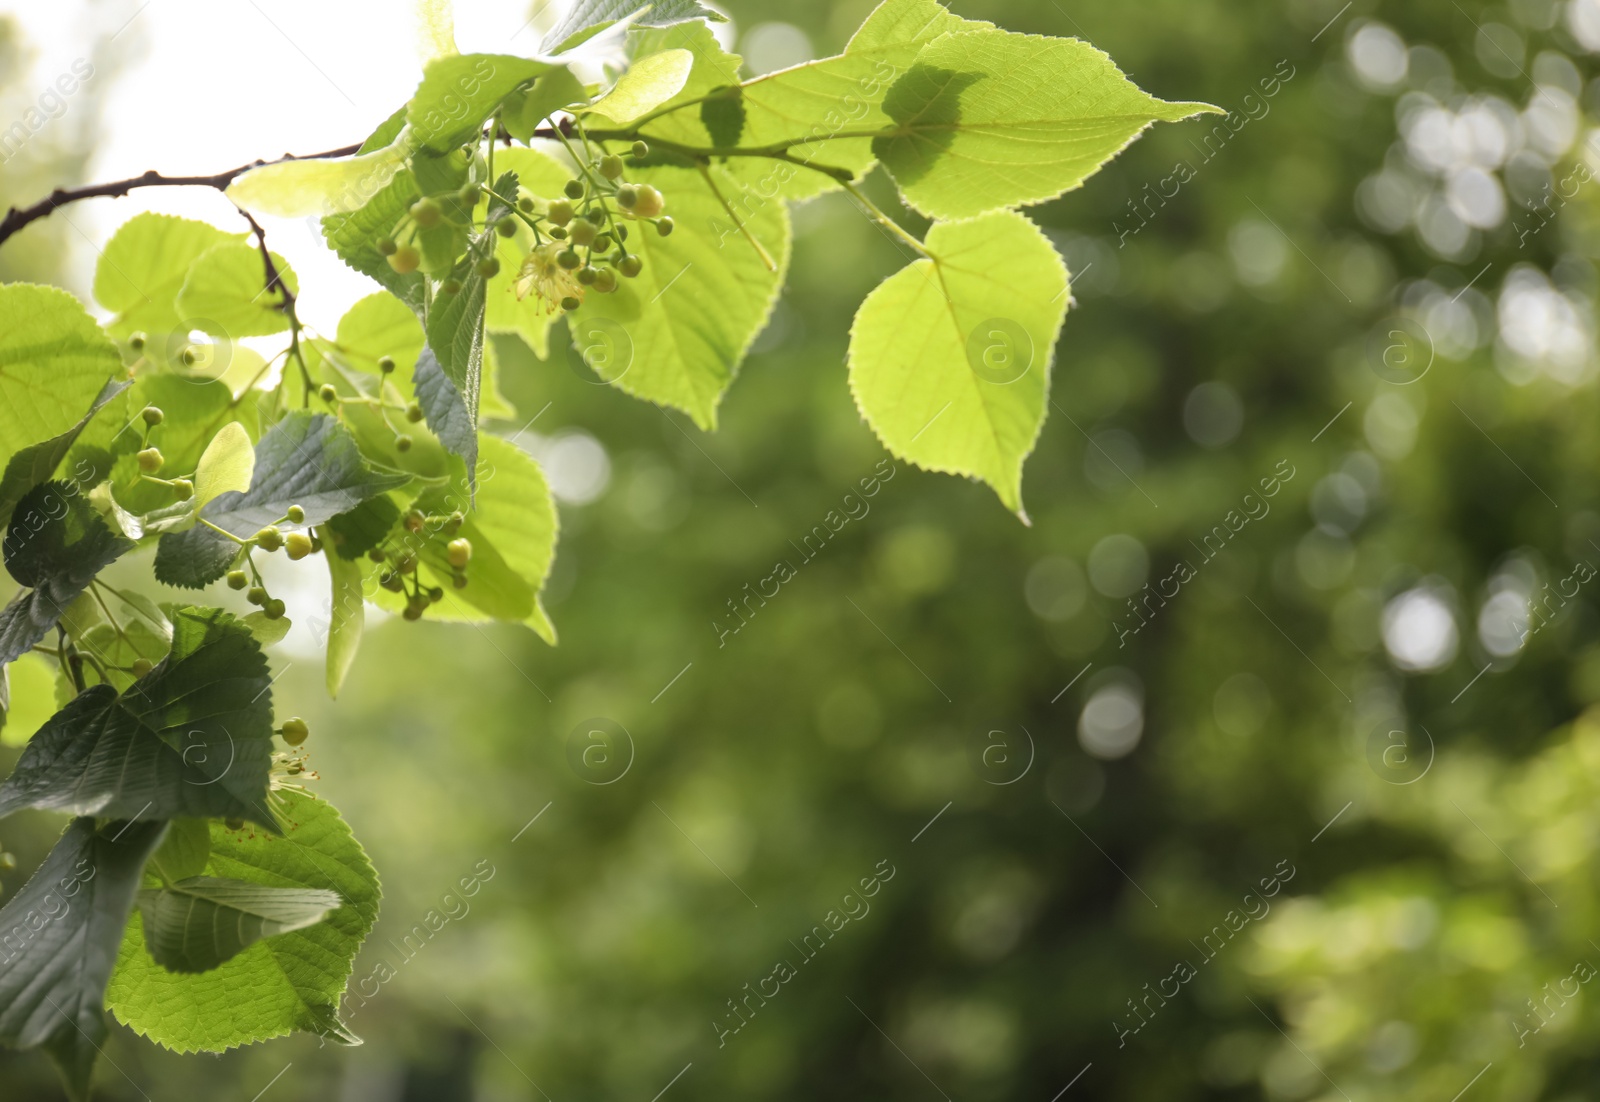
x: 193, y: 925
x: 144, y: 633
x: 363, y: 528
x: 377, y: 326
x: 524, y: 111
x: 54, y: 361
x: 354, y: 234
x: 683, y: 327
x: 267, y: 631
x: 196, y: 410
x: 950, y: 357
x: 512, y: 527
x: 226, y: 464
x: 458, y: 94
x: 299, y: 189
x: 444, y: 408
x: 226, y: 293
x: 144, y: 266
x: 37, y: 462
x: 55, y: 546
x: 192, y: 737
x: 714, y: 69
x: 307, y: 459
x: 988, y: 119
x: 649, y: 82
x: 68, y: 918
x: 346, y: 613
x: 587, y: 18
x: 185, y: 850
x: 289, y: 982
x: 30, y: 682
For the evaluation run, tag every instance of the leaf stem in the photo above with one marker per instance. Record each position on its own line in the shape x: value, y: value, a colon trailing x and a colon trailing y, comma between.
x: 877, y: 215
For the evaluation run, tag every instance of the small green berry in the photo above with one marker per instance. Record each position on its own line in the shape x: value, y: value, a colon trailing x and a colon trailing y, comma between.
x: 489, y: 267
x: 470, y: 194
x: 405, y: 259
x: 328, y: 392
x: 602, y: 243
x: 569, y: 260
x: 413, y: 520
x: 459, y: 552
x: 297, y: 545
x: 269, y: 538
x: 150, y: 460
x: 386, y: 246
x: 413, y: 413
x: 377, y: 555
x: 525, y: 205
x: 391, y: 581
x: 574, y: 189
x: 413, y: 611
x: 627, y: 196
x: 605, y: 281
x: 611, y: 166
x: 136, y: 341
x: 621, y: 232
x: 665, y: 226
x: 559, y: 212
x: 152, y: 415
x: 435, y: 594
x: 294, y: 731
x: 597, y: 215
x: 275, y: 609
x: 237, y: 579
x: 402, y: 443
x: 583, y: 233
x: 426, y: 213
x: 182, y: 489
x: 141, y: 666
x: 459, y: 581
x: 386, y: 364
x: 557, y: 233
x: 296, y: 514
x: 506, y: 227
x: 641, y: 150
x: 406, y: 564
x: 631, y: 266
x: 450, y: 287
x: 256, y: 595
x: 569, y: 303
x: 587, y: 276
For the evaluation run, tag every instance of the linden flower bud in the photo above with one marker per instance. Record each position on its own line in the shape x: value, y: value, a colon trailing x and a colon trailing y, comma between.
x: 328, y: 392
x: 269, y: 538
x: 641, y: 150
x: 237, y: 579
x: 275, y: 609
x: 182, y: 489
x: 256, y: 595
x: 611, y: 166
x: 631, y: 266
x: 141, y: 666
x: 583, y: 232
x: 402, y: 443
x: 386, y: 364
x: 559, y: 212
x: 450, y: 287
x: 413, y: 413
x: 665, y: 226
x: 525, y: 205
x: 627, y: 196
x: 188, y: 356
x: 136, y: 341
x: 294, y: 731
x: 470, y: 194
x: 296, y: 514
x: 426, y: 213
x: 574, y: 189
x: 459, y: 552
x: 605, y: 281
x: 405, y: 259
x: 150, y: 460
x: 506, y: 227
x: 649, y: 203
x: 489, y: 267
x: 152, y: 415
x: 386, y: 246
x: 298, y: 545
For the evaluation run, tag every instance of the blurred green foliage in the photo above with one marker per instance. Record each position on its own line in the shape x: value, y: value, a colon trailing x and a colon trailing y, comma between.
x: 1023, y: 930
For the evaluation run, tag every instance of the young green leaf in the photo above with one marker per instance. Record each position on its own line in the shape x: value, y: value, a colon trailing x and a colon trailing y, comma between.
x: 193, y: 925
x: 458, y: 94
x: 377, y: 326
x: 950, y: 357
x: 307, y: 459
x: 55, y: 546
x: 346, y: 613
x: 680, y: 331
x: 225, y: 293
x: 525, y: 111
x: 62, y: 930
x: 587, y: 18
x: 298, y: 189
x: 54, y: 361
x: 444, y: 408
x: 144, y: 266
x: 37, y: 462
x: 715, y: 73
x: 291, y: 982
x: 649, y: 82
x: 363, y: 528
x: 353, y: 234
x: 226, y: 464
x: 987, y: 119
x: 192, y: 737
